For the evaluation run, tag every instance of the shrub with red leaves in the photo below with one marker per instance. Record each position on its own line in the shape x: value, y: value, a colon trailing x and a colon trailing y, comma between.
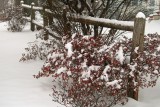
x: 88, y: 73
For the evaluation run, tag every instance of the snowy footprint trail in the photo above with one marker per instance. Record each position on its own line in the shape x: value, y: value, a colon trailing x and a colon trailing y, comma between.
x: 18, y: 88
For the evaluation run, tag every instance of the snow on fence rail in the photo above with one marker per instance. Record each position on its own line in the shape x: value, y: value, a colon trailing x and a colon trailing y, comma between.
x: 26, y: 6
x: 137, y: 26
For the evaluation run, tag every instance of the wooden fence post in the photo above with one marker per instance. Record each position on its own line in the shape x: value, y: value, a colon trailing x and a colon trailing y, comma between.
x: 138, y: 33
x: 45, y: 19
x: 137, y: 42
x: 22, y: 2
x: 45, y: 23
x: 32, y: 17
x: 67, y: 26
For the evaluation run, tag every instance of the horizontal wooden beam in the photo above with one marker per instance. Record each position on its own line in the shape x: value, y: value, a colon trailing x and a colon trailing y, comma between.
x: 115, y: 24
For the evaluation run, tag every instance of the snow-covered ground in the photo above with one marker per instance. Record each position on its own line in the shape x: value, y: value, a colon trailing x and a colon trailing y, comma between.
x: 153, y: 26
x: 18, y: 88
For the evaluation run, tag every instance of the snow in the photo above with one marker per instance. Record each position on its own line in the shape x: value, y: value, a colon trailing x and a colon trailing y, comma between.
x: 26, y: 6
x: 151, y: 14
x: 27, y: 18
x: 120, y: 55
x: 151, y: 95
x: 156, y: 11
x: 151, y: 27
x: 48, y: 10
x: 133, y: 68
x: 158, y: 49
x: 155, y: 71
x: 37, y: 8
x: 155, y: 26
x: 21, y: 1
x: 54, y: 55
x: 29, y: 6
x: 37, y: 23
x: 38, y: 19
x: 86, y: 73
x: 104, y: 76
x: 140, y: 15
x: 114, y: 83
x: 84, y: 64
x: 74, y: 35
x: 68, y: 46
x: 69, y: 73
x: 136, y: 49
x: 61, y: 70
x: 79, y: 4
x: 93, y: 67
x: 18, y: 88
x: 134, y: 103
x: 113, y: 21
x: 32, y: 3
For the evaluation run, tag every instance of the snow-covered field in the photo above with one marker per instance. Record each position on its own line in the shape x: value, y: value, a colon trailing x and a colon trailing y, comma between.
x: 18, y: 88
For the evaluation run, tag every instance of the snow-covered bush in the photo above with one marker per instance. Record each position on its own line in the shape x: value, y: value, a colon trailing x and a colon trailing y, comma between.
x: 88, y: 73
x: 16, y: 22
x: 40, y: 48
x: 36, y: 50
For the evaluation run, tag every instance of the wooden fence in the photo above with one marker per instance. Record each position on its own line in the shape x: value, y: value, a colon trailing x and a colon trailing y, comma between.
x: 137, y: 27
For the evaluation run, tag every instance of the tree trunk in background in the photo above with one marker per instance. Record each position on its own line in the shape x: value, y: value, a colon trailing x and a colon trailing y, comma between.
x: 3, y: 4
x: 50, y: 17
x: 17, y: 2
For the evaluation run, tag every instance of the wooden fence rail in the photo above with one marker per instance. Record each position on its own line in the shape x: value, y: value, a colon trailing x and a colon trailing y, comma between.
x: 137, y: 27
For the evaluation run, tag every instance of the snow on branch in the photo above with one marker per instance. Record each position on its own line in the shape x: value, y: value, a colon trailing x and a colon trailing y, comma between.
x: 48, y: 11
x: 26, y: 6
x: 29, y: 7
x: 37, y: 8
x: 27, y: 18
x: 37, y: 23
